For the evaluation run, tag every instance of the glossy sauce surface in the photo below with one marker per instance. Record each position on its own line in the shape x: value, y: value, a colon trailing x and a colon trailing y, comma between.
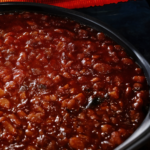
x: 65, y: 86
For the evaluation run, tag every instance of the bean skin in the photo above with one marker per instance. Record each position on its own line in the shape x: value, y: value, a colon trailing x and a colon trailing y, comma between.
x: 102, y: 68
x: 140, y: 79
x: 1, y: 92
x: 106, y: 128
x: 4, y: 103
x: 138, y: 104
x: 116, y: 138
x: 127, y: 61
x: 100, y: 36
x: 76, y: 143
x: 128, y: 92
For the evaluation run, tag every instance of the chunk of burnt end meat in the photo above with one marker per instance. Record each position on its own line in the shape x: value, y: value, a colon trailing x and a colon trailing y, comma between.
x: 94, y: 101
x: 23, y: 88
x: 42, y: 86
x: 102, y: 68
x: 87, y: 89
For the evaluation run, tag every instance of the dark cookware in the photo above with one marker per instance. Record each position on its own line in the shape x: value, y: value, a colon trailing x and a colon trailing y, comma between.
x: 142, y: 134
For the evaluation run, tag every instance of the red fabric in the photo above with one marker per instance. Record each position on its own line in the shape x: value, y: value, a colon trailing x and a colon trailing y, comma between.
x: 70, y: 3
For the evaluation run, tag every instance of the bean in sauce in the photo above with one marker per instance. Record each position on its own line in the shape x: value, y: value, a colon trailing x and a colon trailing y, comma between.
x: 50, y: 69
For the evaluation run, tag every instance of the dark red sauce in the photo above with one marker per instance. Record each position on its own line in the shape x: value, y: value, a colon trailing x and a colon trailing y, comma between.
x: 65, y: 86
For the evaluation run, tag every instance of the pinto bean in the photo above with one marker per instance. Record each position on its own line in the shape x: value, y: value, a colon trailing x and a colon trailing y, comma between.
x: 76, y: 143
x: 115, y: 93
x: 117, y: 47
x: 96, y: 79
x: 106, y: 128
x: 138, y: 104
x: 115, y: 138
x: 14, y: 119
x: 66, y: 75
x: 52, y: 146
x: 9, y: 128
x: 9, y: 40
x: 72, y: 104
x: 35, y: 117
x: 139, y: 79
x: 127, y: 61
x: 102, y: 68
x: 1, y: 92
x: 21, y: 114
x: 128, y: 92
x: 98, y: 86
x: 31, y: 148
x: 81, y: 98
x: 4, y: 103
x: 100, y: 36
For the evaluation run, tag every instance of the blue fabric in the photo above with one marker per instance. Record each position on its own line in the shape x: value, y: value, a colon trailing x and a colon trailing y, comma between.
x: 131, y: 19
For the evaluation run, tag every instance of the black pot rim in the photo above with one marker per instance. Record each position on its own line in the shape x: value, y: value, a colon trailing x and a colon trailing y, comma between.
x: 141, y: 135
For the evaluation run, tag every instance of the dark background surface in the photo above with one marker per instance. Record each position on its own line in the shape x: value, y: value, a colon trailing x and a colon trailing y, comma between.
x: 132, y: 20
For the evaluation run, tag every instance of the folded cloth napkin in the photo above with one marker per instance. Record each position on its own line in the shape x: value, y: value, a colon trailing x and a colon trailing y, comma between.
x: 71, y: 4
